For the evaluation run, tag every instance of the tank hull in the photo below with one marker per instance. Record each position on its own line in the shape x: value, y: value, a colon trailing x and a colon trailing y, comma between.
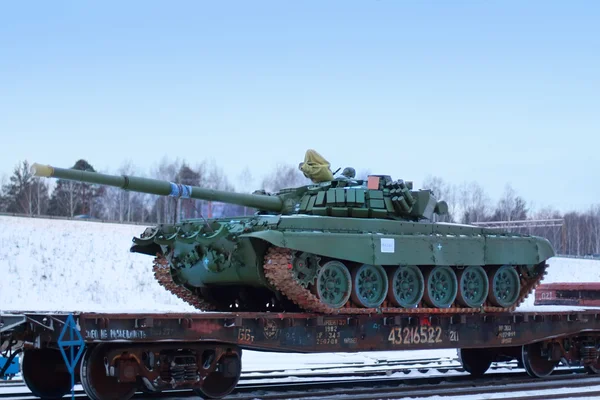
x: 225, y: 258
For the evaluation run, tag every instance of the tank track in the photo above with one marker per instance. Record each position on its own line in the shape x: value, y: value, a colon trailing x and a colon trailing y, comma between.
x: 279, y: 274
x: 160, y: 267
x: 278, y: 271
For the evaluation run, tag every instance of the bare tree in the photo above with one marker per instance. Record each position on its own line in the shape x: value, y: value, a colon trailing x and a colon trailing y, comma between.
x: 165, y: 208
x: 595, y: 228
x: 442, y: 191
x: 474, y: 203
x: 553, y: 234
x: 3, y: 198
x: 25, y: 193
x: 284, y: 176
x: 70, y: 198
x: 118, y: 203
x: 510, y: 207
x: 245, y: 181
x: 246, y: 184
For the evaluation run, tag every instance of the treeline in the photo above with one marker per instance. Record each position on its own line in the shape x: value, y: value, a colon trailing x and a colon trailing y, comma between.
x: 578, y: 233
x: 24, y: 193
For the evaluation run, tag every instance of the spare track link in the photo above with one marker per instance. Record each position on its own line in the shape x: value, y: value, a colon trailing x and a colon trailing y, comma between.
x: 163, y: 276
x: 278, y: 271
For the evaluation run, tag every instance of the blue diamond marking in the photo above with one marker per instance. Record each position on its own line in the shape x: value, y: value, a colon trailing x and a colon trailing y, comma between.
x: 71, y: 341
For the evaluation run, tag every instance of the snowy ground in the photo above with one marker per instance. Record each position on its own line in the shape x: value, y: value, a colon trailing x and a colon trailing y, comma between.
x: 62, y: 265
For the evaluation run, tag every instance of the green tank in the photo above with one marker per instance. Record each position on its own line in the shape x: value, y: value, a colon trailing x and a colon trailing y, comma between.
x: 336, y: 245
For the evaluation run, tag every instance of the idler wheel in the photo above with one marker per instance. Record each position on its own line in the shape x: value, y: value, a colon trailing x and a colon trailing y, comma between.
x: 334, y: 284
x: 475, y: 361
x: 441, y: 287
x: 96, y: 384
x: 223, y: 379
x: 473, y: 286
x: 505, y: 286
x: 369, y: 285
x: 536, y: 363
x: 405, y: 286
x: 45, y: 373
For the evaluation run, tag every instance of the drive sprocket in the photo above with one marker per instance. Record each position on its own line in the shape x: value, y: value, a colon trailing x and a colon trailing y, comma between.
x: 305, y: 267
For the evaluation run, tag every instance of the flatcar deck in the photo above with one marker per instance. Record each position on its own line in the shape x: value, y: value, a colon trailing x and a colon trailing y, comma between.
x: 309, y: 333
x: 205, y: 345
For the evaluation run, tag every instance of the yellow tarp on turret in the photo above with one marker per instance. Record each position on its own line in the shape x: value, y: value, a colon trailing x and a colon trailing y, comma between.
x: 315, y: 167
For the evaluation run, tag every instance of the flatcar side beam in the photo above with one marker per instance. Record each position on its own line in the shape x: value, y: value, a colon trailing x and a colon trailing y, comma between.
x: 308, y: 333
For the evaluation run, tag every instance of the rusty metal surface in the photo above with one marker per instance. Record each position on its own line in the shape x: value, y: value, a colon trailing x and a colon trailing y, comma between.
x: 570, y: 286
x: 309, y: 333
x: 566, y: 293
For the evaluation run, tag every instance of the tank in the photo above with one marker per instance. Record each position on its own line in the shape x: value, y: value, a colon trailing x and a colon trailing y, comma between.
x: 337, y: 245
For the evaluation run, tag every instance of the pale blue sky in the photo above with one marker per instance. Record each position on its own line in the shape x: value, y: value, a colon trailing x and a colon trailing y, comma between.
x: 492, y: 91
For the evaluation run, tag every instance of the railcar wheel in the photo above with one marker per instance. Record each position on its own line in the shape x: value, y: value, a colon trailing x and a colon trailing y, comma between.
x: 45, y: 373
x: 593, y: 368
x: 475, y: 361
x: 535, y: 362
x: 441, y: 287
x: 223, y: 380
x: 505, y: 286
x: 588, y: 356
x: 96, y: 384
x: 369, y: 285
x: 334, y: 284
x: 405, y: 286
x: 473, y: 286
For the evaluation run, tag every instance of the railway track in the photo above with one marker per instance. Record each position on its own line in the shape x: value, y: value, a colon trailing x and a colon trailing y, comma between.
x: 422, y: 366
x: 365, y: 384
x: 492, y: 388
x: 520, y: 387
x: 342, y: 369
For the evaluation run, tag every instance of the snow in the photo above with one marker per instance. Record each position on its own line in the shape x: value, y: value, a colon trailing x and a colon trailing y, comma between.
x: 75, y: 265
x: 564, y: 269
x: 254, y: 361
x: 72, y: 265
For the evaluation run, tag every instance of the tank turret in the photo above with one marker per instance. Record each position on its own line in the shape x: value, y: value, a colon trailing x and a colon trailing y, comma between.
x: 377, y: 197
x: 336, y: 245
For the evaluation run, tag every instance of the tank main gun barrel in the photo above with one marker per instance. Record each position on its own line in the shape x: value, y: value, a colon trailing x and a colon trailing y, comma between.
x: 161, y: 188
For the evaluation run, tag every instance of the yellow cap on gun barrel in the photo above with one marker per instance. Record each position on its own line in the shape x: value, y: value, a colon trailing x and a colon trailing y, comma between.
x: 42, y: 170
